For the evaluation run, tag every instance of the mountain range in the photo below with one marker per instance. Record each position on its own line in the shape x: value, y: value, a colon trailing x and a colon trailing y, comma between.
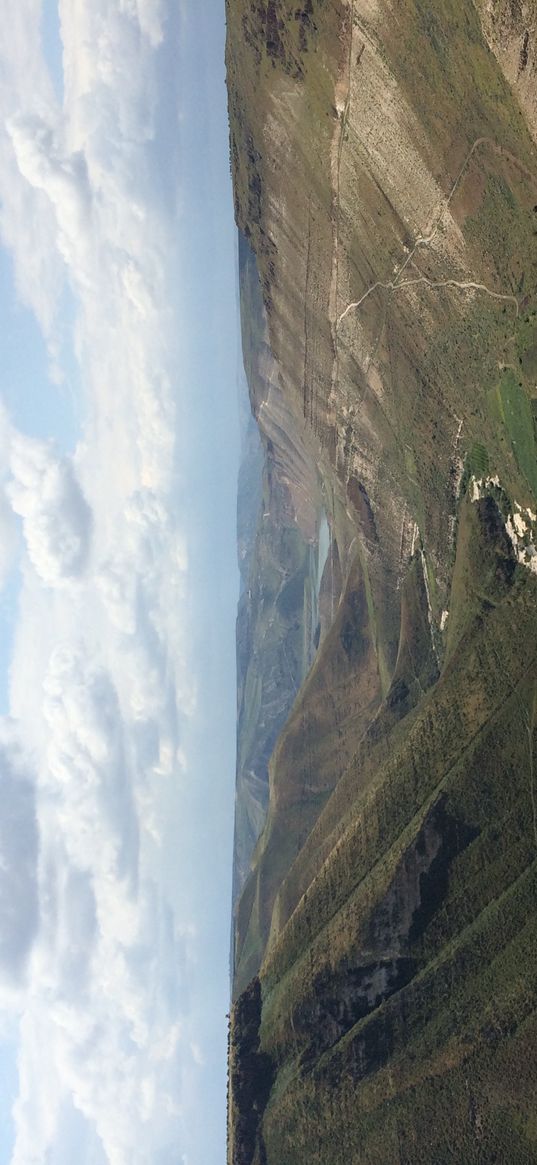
x: 384, y: 162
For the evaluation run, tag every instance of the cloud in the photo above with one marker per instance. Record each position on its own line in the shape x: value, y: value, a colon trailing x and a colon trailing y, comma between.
x: 100, y: 678
x: 27, y: 223
x: 81, y: 178
x: 8, y: 526
x: 44, y: 491
x: 61, y: 176
x: 86, y: 781
x: 19, y: 915
x: 8, y: 537
x: 112, y: 1046
x: 104, y: 969
x: 109, y: 925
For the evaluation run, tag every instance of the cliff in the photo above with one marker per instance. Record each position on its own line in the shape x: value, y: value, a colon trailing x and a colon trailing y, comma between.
x: 385, y: 174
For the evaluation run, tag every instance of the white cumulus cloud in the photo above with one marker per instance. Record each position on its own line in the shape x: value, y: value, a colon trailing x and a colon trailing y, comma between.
x: 44, y: 491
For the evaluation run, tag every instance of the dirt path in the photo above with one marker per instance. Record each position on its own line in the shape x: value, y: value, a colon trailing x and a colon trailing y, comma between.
x: 463, y: 284
x: 426, y: 240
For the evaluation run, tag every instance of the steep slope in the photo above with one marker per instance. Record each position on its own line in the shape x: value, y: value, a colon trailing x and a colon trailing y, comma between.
x: 385, y: 174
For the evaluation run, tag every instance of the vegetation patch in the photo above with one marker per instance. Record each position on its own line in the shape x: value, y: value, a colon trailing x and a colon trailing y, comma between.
x: 251, y: 1077
x: 517, y: 414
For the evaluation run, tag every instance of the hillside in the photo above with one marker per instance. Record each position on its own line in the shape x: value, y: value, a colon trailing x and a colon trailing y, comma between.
x: 385, y: 172
x: 280, y: 516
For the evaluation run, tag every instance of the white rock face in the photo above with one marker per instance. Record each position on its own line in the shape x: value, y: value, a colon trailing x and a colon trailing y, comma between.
x: 521, y: 525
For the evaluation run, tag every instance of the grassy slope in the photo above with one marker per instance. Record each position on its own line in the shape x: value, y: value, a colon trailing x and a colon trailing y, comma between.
x: 391, y: 909
x: 427, y: 1063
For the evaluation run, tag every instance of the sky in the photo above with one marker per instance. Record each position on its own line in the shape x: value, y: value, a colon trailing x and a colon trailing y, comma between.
x: 118, y: 581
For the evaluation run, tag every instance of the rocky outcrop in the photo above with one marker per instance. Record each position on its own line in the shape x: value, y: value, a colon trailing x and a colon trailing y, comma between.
x: 510, y: 28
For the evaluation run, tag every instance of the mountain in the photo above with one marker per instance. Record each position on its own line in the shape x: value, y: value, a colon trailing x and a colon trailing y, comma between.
x: 280, y: 518
x: 384, y: 159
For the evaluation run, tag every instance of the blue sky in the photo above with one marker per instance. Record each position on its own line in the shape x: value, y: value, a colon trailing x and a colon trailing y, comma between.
x: 51, y: 41
x: 119, y: 443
